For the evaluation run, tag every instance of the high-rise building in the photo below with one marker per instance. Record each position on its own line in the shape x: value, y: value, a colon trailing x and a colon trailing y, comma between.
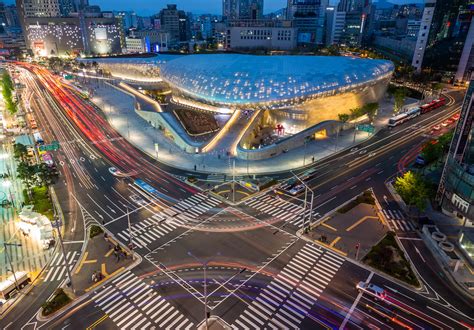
x: 176, y: 23
x: 242, y: 9
x: 456, y: 188
x: 9, y: 15
x: 335, y: 22
x: 443, y: 32
x: 466, y: 63
x: 308, y: 17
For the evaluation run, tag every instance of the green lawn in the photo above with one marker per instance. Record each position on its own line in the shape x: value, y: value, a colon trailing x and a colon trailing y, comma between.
x: 40, y: 200
x: 387, y: 257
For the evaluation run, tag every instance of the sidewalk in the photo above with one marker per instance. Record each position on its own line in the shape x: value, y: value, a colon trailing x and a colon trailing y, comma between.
x: 119, y: 110
x: 99, y: 257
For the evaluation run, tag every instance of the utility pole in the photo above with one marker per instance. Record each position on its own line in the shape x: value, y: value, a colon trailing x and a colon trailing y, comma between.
x: 305, y: 202
x: 204, y: 264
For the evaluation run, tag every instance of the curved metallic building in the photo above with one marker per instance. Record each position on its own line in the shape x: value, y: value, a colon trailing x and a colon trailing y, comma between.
x: 298, y: 87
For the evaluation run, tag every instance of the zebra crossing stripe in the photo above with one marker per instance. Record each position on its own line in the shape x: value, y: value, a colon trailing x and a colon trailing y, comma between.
x: 243, y: 326
x: 174, y: 322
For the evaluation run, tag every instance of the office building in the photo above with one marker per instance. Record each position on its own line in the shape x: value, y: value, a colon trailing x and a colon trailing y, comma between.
x: 176, y: 23
x: 308, y: 17
x: 456, y: 188
x: 261, y: 34
x: 443, y: 32
x: 242, y: 9
x: 335, y: 21
x: 466, y: 63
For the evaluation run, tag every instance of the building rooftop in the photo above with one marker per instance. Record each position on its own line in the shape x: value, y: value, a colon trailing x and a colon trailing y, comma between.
x: 248, y: 79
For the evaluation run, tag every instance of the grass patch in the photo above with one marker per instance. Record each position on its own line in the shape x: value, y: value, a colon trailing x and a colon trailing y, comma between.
x: 59, y: 300
x: 366, y: 198
x: 387, y: 257
x: 95, y: 230
x: 40, y: 200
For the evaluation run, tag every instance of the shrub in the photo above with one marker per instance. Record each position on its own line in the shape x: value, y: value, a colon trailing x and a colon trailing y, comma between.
x: 59, y: 300
x: 95, y: 230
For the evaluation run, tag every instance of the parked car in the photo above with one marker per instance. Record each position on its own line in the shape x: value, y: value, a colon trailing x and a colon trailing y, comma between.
x: 137, y: 199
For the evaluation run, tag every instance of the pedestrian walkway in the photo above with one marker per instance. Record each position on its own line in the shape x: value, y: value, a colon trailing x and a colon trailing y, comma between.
x: 280, y: 208
x: 29, y: 256
x: 289, y: 297
x: 119, y: 110
x: 398, y: 221
x: 185, y: 213
x: 57, y: 268
x: 132, y: 304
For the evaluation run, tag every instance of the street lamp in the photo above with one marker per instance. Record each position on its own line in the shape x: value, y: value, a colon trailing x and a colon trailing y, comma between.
x: 204, y: 264
x: 5, y: 244
x: 307, y: 188
x: 130, y: 233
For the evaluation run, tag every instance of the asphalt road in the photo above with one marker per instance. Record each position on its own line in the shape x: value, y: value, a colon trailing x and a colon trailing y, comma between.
x: 258, y: 272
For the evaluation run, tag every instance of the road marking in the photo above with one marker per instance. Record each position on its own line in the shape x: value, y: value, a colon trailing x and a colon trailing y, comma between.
x: 353, y: 187
x: 360, y: 221
x: 328, y: 226
x: 348, y: 315
x: 396, y: 291
x: 335, y: 241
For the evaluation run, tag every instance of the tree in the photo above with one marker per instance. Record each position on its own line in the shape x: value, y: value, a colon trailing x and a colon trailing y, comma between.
x: 20, y: 151
x: 399, y: 95
x: 26, y: 173
x: 412, y: 189
x: 445, y: 140
x: 344, y: 117
x: 371, y: 109
x: 432, y: 151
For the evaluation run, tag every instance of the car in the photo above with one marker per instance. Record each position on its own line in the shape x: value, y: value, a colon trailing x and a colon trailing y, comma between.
x: 297, y: 189
x: 372, y: 289
x: 113, y: 170
x: 137, y: 199
x: 450, y: 121
x: 445, y: 123
x: 456, y: 116
x: 436, y: 127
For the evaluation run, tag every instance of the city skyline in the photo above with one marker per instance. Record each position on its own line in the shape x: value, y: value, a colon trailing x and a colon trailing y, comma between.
x: 145, y: 7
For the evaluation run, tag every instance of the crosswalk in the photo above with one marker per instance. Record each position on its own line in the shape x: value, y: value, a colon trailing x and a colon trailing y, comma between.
x: 285, y: 302
x: 57, y: 268
x: 132, y: 304
x: 29, y: 256
x: 184, y: 213
x: 398, y: 221
x: 280, y: 208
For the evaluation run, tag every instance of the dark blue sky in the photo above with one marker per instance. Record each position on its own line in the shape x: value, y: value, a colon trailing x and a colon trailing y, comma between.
x: 148, y: 7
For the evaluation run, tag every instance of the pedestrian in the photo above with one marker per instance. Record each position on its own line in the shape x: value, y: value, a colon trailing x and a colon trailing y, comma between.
x: 94, y: 277
x: 117, y: 255
x: 195, y: 167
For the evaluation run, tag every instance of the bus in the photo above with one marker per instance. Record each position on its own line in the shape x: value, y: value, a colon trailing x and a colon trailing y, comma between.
x: 8, y: 288
x: 38, y: 139
x: 415, y: 112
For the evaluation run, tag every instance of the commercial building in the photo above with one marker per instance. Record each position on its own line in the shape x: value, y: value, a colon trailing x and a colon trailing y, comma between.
x: 335, y: 22
x: 261, y: 34
x: 308, y: 17
x: 296, y: 91
x: 456, y: 188
x: 176, y: 23
x: 242, y: 9
x: 68, y: 35
x: 466, y: 63
x: 443, y: 33
x: 136, y: 45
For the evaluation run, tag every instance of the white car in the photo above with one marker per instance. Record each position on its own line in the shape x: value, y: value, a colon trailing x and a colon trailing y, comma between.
x: 137, y: 199
x: 372, y: 289
x: 297, y: 189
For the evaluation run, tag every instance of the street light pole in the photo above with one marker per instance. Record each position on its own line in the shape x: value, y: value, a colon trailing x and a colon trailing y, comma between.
x: 305, y: 202
x: 10, y: 261
x: 64, y: 256
x: 204, y: 264
x: 130, y: 234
